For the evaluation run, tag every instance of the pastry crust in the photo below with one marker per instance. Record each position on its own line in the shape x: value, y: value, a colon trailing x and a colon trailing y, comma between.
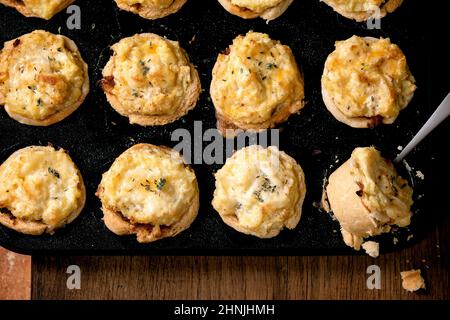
x: 372, y: 87
x: 153, y: 207
x: 260, y: 191
x: 412, y: 280
x: 44, y: 9
x: 384, y: 8
x: 268, y: 14
x: 149, y: 10
x: 43, y: 78
x: 150, y: 80
x: 367, y: 196
x: 256, y: 85
x: 42, y: 190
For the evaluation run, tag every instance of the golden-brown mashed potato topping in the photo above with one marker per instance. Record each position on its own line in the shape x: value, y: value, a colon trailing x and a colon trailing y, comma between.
x: 387, y: 195
x: 256, y: 81
x: 151, y: 74
x: 149, y: 186
x: 41, y: 76
x: 40, y: 184
x: 45, y: 9
x: 368, y: 78
x: 263, y: 188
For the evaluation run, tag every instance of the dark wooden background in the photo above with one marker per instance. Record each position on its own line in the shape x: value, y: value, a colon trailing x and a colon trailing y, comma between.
x: 246, y: 277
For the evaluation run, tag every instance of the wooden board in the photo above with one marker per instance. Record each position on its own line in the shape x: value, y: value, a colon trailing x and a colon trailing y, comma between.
x: 246, y: 277
x: 15, y: 276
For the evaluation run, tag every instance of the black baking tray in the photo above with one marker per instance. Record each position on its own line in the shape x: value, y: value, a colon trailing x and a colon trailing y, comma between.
x: 95, y: 134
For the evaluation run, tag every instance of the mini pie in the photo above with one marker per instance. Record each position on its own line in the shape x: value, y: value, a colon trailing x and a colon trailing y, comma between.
x: 150, y: 80
x: 256, y: 84
x: 43, y: 78
x: 41, y: 190
x: 151, y: 9
x: 366, y: 82
x: 260, y: 191
x: 250, y: 9
x: 367, y: 197
x: 149, y: 191
x: 44, y: 9
x: 362, y: 10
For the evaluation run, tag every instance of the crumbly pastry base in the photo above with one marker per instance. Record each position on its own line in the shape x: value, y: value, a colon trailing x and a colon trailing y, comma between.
x: 150, y: 12
x: 388, y: 7
x: 268, y: 15
x: 230, y: 129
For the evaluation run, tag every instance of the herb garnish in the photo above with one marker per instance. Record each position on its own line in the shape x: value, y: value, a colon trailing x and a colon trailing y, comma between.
x: 145, y: 69
x: 161, y: 183
x: 257, y: 194
x: 54, y: 172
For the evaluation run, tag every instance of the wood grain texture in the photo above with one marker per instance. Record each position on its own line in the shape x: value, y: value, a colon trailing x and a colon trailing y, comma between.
x: 15, y: 276
x: 247, y: 277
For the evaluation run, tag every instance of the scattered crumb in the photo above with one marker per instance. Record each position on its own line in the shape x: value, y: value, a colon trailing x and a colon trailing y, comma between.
x: 193, y: 39
x: 395, y: 240
x: 420, y: 175
x: 372, y: 248
x: 412, y: 280
x: 325, y: 205
x: 337, y: 161
x: 410, y: 237
x: 400, y: 148
x: 59, y: 30
x: 316, y: 152
x: 113, y: 123
x: 423, y: 260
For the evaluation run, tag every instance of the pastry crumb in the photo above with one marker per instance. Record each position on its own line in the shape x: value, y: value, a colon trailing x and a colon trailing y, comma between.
x: 372, y: 248
x: 395, y: 240
x: 400, y: 148
x: 420, y: 175
x: 410, y: 237
x: 412, y: 280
